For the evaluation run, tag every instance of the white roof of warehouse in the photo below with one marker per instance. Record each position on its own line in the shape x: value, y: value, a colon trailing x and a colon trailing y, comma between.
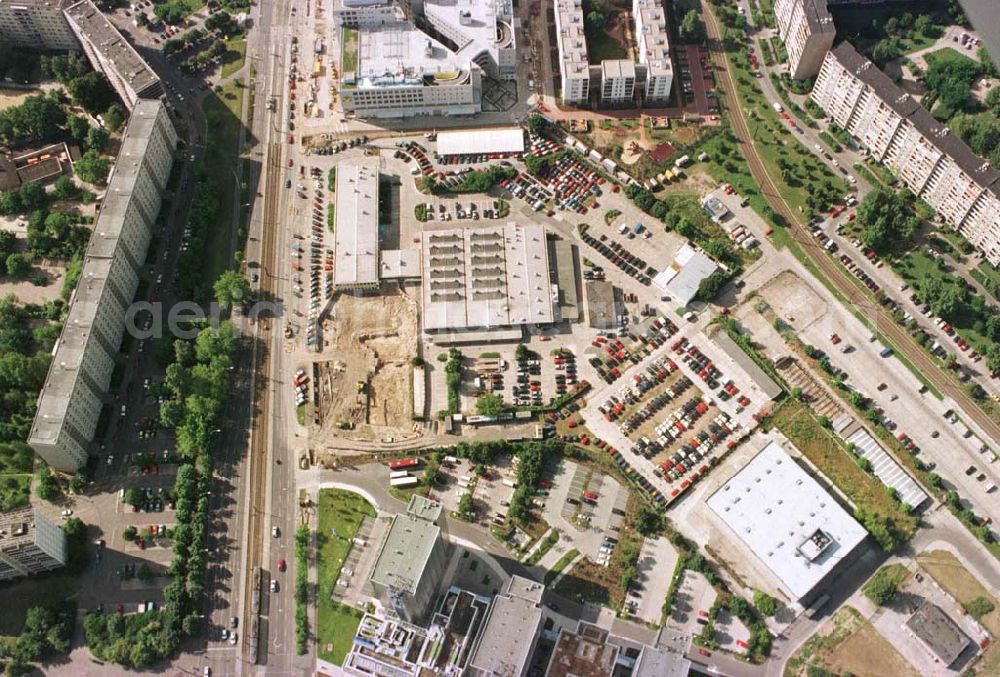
x: 484, y: 278
x: 356, y: 235
x: 506, y: 140
x: 682, y: 278
x: 776, y: 509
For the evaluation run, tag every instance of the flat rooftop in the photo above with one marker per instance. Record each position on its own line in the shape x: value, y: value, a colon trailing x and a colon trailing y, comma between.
x: 651, y: 25
x: 18, y: 527
x: 424, y: 508
x: 740, y: 357
x: 474, y: 24
x: 584, y: 653
x: 938, y: 632
x: 113, y: 46
x: 498, y: 140
x: 356, y: 234
x: 399, y: 264
x: 682, y: 279
x: 405, y: 552
x: 401, y: 54
x: 572, y: 41
x: 787, y: 520
x: 507, y: 638
x: 490, y: 277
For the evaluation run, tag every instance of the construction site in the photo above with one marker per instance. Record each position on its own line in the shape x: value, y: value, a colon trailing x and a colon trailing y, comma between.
x: 364, y: 371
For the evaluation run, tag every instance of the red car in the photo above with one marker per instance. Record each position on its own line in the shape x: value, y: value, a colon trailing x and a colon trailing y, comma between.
x: 281, y: 565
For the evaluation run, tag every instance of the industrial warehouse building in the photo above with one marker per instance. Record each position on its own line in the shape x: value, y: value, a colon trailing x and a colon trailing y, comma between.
x: 356, y: 233
x: 503, y: 141
x: 789, y: 522
x: 486, y: 283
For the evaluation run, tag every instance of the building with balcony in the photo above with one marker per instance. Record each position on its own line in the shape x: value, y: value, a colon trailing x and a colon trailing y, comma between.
x: 37, y: 24
x: 808, y: 31
x: 30, y: 543
x: 85, y: 355
x: 894, y: 129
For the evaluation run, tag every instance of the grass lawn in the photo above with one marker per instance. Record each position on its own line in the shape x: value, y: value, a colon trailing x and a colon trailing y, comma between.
x: 865, y: 25
x: 918, y: 266
x: 831, y: 457
x: 235, y: 55
x: 602, y: 46
x: 946, y: 54
x: 45, y: 590
x: 14, y: 491
x: 349, y: 49
x: 222, y: 113
x: 988, y: 276
x: 560, y: 565
x: 339, y: 516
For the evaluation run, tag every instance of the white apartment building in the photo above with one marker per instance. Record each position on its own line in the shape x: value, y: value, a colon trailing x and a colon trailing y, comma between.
x: 574, y: 67
x: 653, y: 43
x: 111, y: 53
x: 480, y: 31
x: 808, y: 31
x: 68, y: 25
x: 85, y: 355
x: 38, y: 24
x: 649, y: 73
x: 893, y: 128
x: 617, y: 80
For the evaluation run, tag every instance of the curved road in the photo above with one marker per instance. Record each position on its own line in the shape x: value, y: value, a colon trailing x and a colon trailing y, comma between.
x: 836, y: 275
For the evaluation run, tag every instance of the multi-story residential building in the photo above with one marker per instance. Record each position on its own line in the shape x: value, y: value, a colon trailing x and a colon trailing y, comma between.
x: 70, y: 402
x: 931, y: 161
x: 111, y: 53
x: 807, y: 30
x: 617, y: 80
x: 574, y: 66
x: 69, y: 25
x: 649, y: 72
x: 38, y: 24
x: 653, y: 44
x: 29, y: 544
x: 480, y: 31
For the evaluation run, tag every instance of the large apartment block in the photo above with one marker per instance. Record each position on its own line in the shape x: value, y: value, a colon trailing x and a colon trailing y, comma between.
x: 29, y: 544
x: 894, y: 129
x: 84, y: 358
x: 617, y: 81
x: 76, y: 26
x: 808, y: 31
x: 37, y: 24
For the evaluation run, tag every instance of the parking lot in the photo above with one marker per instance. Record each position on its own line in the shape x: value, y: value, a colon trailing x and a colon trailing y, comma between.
x: 586, y: 506
x: 360, y: 560
x: 692, y: 600
x: 652, y: 580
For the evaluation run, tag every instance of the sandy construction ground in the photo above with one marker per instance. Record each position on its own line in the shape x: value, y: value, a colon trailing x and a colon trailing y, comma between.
x: 371, y: 341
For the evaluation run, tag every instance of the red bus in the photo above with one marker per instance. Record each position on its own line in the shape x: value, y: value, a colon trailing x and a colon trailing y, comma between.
x: 404, y: 463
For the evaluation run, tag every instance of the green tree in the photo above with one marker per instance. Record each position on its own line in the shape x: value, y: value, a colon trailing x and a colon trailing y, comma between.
x: 92, y: 92
x: 130, y: 533
x: 882, y: 587
x: 144, y: 574
x: 10, y: 202
x: 489, y: 404
x: 692, y: 26
x: 231, y: 288
x: 114, y: 117
x: 766, y: 605
x: 465, y: 509
x: 952, y: 80
x: 133, y: 496
x: 17, y: 265
x: 97, y: 138
x: 885, y: 51
x: 886, y: 219
x: 65, y: 189
x: 648, y: 522
x: 32, y: 195
x: 92, y: 168
x: 537, y: 125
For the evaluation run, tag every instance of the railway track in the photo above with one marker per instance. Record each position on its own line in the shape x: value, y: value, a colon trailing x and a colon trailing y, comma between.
x: 261, y: 419
x: 837, y: 276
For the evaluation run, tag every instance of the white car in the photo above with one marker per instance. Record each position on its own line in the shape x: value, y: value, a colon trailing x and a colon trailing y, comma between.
x: 66, y: 513
x: 274, y: 531
x: 274, y: 585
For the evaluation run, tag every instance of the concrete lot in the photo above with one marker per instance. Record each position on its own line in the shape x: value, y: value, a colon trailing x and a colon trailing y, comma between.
x: 657, y: 560
x: 693, y: 599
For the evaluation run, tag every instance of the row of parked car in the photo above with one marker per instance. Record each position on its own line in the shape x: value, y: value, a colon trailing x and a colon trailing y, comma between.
x: 632, y: 264
x: 655, y: 404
